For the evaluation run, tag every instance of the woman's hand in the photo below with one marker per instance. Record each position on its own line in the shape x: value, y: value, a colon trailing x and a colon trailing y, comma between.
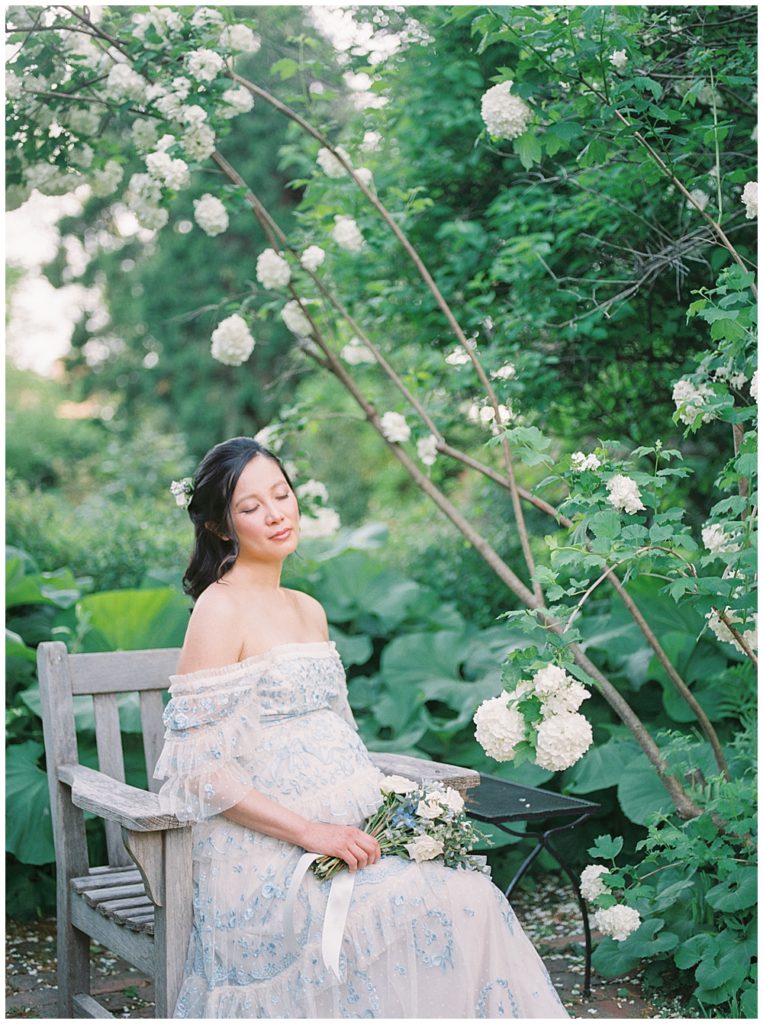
x: 356, y: 848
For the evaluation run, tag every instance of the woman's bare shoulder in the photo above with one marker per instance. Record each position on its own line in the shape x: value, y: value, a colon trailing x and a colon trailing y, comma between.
x: 312, y: 610
x: 213, y: 637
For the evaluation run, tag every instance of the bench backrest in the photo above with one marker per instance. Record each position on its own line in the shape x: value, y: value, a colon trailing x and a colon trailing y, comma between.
x: 104, y: 677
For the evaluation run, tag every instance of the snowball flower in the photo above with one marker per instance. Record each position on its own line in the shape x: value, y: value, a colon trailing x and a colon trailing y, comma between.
x: 347, y: 234
x: 562, y: 740
x: 700, y: 197
x: 240, y: 38
x: 426, y: 447
x: 84, y: 121
x: 199, y: 142
x: 690, y: 398
x: 505, y: 115
x: 750, y: 199
x: 397, y: 784
x: 295, y: 319
x: 192, y: 115
x: 232, y: 344
x: 550, y: 679
x: 272, y: 270
x: 238, y: 101
x: 210, y: 214
x: 81, y: 157
x: 499, y: 727
x: 324, y: 523
x: 591, y: 885
x: 125, y: 84
x: 754, y: 386
x: 624, y: 494
x: 364, y: 175
x: 506, y: 372
x: 715, y: 540
x: 313, y: 489
x: 205, y: 65
x: 424, y: 848
x: 172, y: 173
x: 106, y: 180
x: 618, y: 921
x: 394, y: 427
x: 355, y: 353
x: 458, y: 357
x: 329, y: 164
x: 579, y: 462
x: 371, y: 141
x: 567, y: 700
x: 144, y: 134
x: 312, y: 257
x: 725, y: 635
x: 618, y: 59
x: 204, y: 16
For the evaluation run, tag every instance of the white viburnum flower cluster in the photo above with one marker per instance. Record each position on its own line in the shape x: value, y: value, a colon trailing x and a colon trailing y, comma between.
x: 50, y: 180
x: 232, y: 343
x: 618, y: 59
x: 754, y: 386
x: 716, y: 541
x: 725, y: 635
x: 144, y: 194
x: 210, y: 214
x: 624, y: 494
x: 83, y: 120
x: 312, y: 257
x: 506, y: 372
x: 324, y: 523
x: 313, y: 489
x: 750, y: 199
x: 240, y: 38
x: 123, y: 83
x: 205, y: 65
x: 347, y: 234
x: 107, y: 179
x: 563, y: 735
x: 458, y: 357
x: 161, y: 19
x: 204, y: 16
x: 591, y: 884
x: 700, y: 197
x: 499, y: 727
x: 144, y: 134
x: 485, y: 414
x: 505, y: 114
x: 237, y: 101
x: 329, y: 164
x: 394, y: 427
x: 170, y: 173
x: 295, y: 319
x: 426, y: 448
x: 618, y: 922
x: 199, y: 142
x: 356, y: 353
x: 579, y: 462
x: 272, y: 270
x: 690, y: 399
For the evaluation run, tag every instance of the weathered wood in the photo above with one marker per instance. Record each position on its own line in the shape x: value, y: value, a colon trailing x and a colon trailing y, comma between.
x: 419, y: 770
x: 133, y: 916
x: 131, y: 807
x: 108, y: 739
x: 87, y: 1007
x: 135, y: 947
x: 68, y: 821
x: 130, y: 903
x: 96, y: 879
x: 140, y: 924
x: 173, y: 920
x: 123, y: 671
x: 151, y: 708
x: 147, y: 851
x: 96, y: 896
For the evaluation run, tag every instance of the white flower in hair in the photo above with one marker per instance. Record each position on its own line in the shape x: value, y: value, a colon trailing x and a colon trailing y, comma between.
x: 505, y: 114
x: 232, y: 343
x: 182, y: 491
x: 272, y: 270
x: 624, y: 494
x: 394, y: 427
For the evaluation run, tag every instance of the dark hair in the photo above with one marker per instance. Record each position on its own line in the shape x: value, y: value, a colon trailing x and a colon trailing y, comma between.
x: 209, y: 509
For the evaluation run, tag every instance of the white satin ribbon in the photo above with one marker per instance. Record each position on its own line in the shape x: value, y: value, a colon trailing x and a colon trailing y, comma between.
x: 337, y: 908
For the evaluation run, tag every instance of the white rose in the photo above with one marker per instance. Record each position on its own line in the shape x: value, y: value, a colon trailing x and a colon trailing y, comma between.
x: 591, y: 885
x: 394, y: 427
x: 232, y: 344
x: 272, y: 270
x: 397, y: 784
x: 347, y: 234
x: 429, y: 809
x: 624, y: 494
x: 499, y: 728
x: 452, y: 799
x: 505, y: 114
x: 424, y: 848
x: 618, y: 921
x: 562, y: 740
x: 210, y: 214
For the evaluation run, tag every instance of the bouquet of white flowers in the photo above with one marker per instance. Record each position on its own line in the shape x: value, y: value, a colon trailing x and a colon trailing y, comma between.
x: 420, y: 822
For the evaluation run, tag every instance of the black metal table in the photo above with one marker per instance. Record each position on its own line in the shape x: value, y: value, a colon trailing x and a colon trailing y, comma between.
x: 496, y: 801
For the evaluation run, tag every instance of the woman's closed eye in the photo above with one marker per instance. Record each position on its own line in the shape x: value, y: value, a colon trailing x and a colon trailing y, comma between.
x: 280, y: 497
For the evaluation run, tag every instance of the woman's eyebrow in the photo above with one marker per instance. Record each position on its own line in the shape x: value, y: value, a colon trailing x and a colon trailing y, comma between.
x: 254, y: 494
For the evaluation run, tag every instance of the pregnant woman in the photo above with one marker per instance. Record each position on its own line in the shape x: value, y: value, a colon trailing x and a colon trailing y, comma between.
x: 262, y: 754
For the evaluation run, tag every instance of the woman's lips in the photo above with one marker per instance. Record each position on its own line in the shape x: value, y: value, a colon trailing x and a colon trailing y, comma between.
x: 282, y: 535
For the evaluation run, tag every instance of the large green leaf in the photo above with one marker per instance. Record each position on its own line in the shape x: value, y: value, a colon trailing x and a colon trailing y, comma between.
x: 84, y: 718
x: 131, y: 620
x: 28, y: 831
x: 601, y: 766
x: 640, y: 793
x: 736, y: 893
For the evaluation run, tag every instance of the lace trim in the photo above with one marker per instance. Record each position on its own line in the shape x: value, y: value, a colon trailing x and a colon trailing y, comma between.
x: 294, y: 648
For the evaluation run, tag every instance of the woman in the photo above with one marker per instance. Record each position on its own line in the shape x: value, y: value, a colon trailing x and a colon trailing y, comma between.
x: 262, y: 753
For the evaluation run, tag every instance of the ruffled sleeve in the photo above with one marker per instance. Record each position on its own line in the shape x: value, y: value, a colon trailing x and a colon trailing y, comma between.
x: 211, y: 722
x: 342, y: 706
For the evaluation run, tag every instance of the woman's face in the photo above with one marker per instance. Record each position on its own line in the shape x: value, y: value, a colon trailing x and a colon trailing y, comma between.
x: 264, y: 511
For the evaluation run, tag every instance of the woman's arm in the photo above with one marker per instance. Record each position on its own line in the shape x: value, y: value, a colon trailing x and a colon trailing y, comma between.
x: 356, y: 848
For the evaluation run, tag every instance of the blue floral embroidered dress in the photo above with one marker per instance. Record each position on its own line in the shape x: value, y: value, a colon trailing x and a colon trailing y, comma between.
x: 420, y: 940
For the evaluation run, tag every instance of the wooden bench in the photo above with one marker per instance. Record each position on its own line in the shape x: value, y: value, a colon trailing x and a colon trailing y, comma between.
x: 138, y: 905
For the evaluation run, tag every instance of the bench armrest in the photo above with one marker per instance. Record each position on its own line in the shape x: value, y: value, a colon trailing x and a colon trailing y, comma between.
x: 132, y: 808
x: 419, y: 770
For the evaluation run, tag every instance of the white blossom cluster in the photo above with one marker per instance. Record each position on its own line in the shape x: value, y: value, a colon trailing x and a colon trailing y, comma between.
x: 210, y: 214
x: 313, y: 489
x: 123, y: 83
x: 107, y: 179
x: 754, y: 386
x: 618, y: 921
x: 232, y: 343
x: 162, y: 19
x: 237, y: 101
x: 618, y: 59
x: 347, y: 234
x: 750, y: 199
x: 725, y: 635
x: 168, y: 172
x: 485, y: 414
x: 394, y: 427
x: 579, y: 461
x: 312, y: 257
x: 561, y: 737
x: 505, y: 114
x: 272, y: 270
x: 426, y: 448
x: 144, y: 195
x: 295, y: 319
x: 506, y: 372
x: 355, y: 353
x: 690, y: 400
x: 716, y: 540
x: 324, y: 523
x: 591, y: 884
x: 329, y: 164
x: 240, y: 38
x: 700, y: 197
x: 624, y: 494
x: 204, y: 64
